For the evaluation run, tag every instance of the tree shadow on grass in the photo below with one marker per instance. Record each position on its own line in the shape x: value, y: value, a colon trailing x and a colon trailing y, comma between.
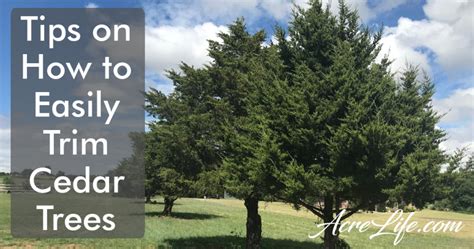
x: 184, y: 215
x: 153, y: 202
x: 224, y: 242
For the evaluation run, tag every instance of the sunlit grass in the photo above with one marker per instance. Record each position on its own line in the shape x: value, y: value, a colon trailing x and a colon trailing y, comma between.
x: 210, y: 223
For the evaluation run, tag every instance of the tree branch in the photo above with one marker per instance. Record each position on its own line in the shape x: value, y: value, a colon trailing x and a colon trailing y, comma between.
x: 317, y: 211
x: 351, y: 212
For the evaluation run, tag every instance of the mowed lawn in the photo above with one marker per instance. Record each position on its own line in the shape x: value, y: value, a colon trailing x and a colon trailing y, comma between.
x: 199, y: 223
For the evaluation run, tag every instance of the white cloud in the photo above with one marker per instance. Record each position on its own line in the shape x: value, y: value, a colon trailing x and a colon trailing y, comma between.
x: 458, y: 107
x: 459, y: 137
x: 188, y: 13
x: 447, y: 34
x: 458, y: 119
x: 167, y: 46
x: 447, y: 11
x: 366, y: 11
x: 445, y: 38
x: 277, y: 8
x: 178, y: 31
x: 402, y: 53
x: 281, y: 9
x: 229, y: 8
x: 91, y: 6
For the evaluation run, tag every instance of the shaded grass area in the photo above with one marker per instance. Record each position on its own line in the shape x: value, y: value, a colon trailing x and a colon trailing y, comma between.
x: 236, y: 242
x: 183, y: 215
x: 199, y: 223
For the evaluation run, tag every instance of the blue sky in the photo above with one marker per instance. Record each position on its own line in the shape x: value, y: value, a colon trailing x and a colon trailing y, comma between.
x: 437, y: 35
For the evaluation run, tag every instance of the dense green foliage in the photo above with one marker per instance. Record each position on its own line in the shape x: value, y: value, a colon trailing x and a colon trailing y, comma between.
x: 246, y: 77
x: 313, y: 120
x: 213, y: 130
x: 177, y: 148
x: 358, y: 136
x: 456, y: 186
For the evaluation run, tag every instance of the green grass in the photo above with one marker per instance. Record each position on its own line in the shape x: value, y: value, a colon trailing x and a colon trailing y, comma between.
x: 201, y: 223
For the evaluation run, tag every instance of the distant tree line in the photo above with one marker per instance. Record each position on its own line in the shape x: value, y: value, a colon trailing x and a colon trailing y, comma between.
x: 456, y: 184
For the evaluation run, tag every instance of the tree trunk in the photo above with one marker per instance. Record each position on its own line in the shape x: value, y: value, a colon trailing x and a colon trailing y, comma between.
x: 330, y: 239
x: 168, y: 206
x: 254, y: 224
x: 148, y: 199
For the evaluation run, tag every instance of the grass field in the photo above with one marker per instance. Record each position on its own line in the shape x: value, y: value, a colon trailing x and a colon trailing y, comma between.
x: 199, y: 223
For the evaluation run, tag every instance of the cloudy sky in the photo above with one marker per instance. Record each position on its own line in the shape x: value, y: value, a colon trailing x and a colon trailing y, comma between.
x: 436, y: 35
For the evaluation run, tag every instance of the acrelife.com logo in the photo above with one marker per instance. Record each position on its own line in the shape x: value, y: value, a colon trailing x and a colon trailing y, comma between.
x: 398, y: 224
